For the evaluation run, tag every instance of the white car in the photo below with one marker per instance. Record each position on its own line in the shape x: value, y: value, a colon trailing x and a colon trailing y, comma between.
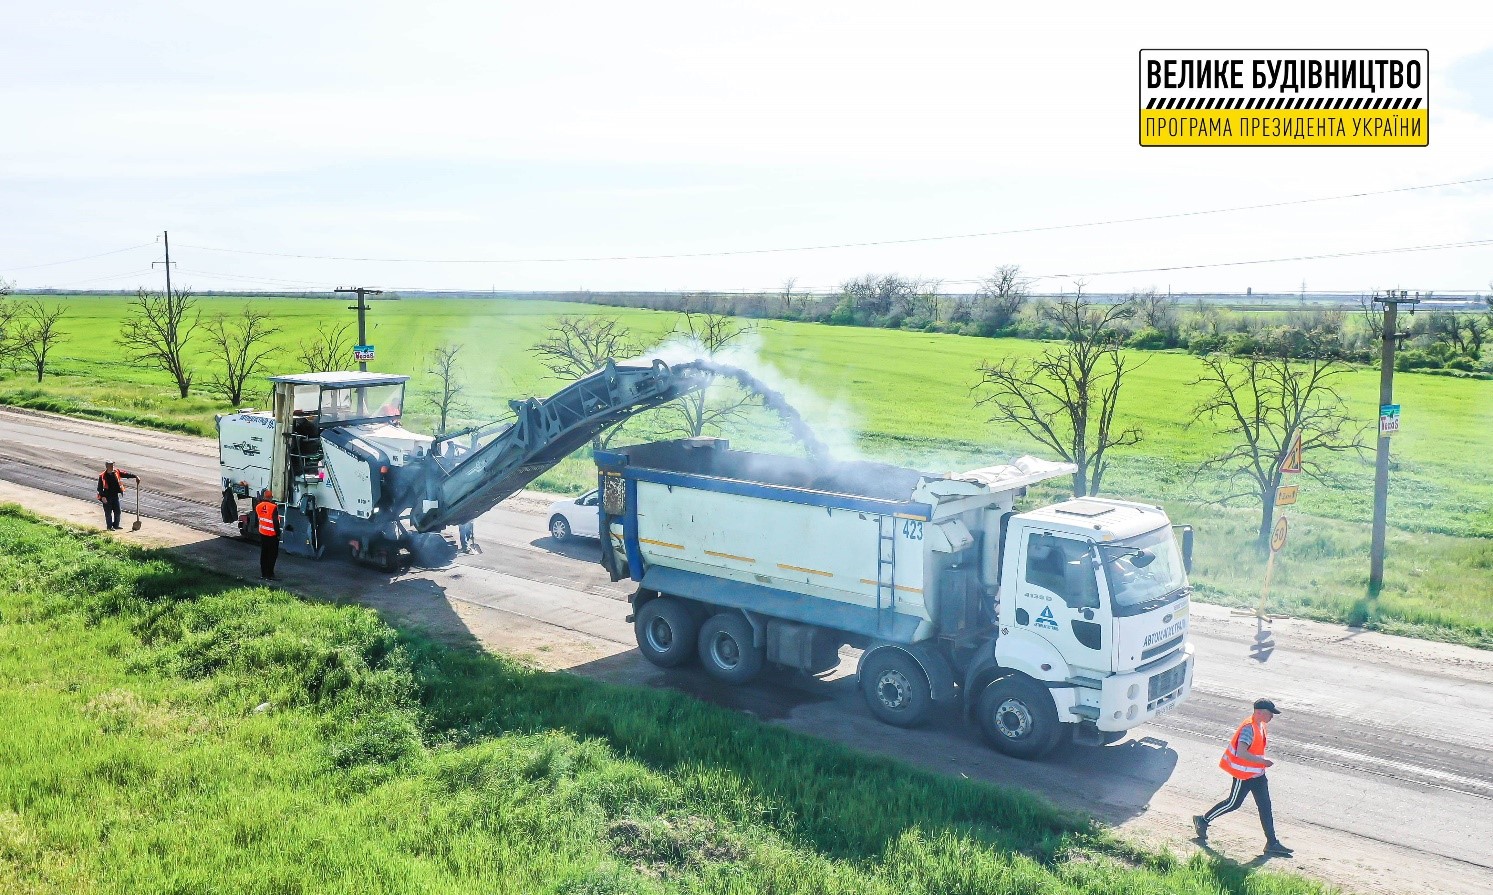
x: 575, y: 518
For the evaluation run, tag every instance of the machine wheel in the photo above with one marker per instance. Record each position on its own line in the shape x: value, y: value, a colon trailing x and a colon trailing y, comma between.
x: 895, y: 687
x: 726, y: 648
x: 666, y: 632
x: 559, y: 528
x: 1017, y: 717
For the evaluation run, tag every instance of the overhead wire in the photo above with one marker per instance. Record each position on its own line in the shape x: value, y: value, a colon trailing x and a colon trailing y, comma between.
x: 84, y: 258
x: 851, y: 245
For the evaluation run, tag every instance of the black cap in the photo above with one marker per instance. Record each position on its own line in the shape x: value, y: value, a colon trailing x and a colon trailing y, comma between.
x: 1267, y: 705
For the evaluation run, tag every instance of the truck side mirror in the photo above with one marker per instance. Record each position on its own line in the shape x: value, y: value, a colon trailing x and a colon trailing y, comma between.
x: 1186, y: 547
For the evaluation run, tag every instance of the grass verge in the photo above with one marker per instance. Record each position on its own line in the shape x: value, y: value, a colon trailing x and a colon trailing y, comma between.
x: 171, y: 730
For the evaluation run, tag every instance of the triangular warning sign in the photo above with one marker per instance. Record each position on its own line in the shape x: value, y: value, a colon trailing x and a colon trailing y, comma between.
x: 1046, y: 612
x: 1292, y: 463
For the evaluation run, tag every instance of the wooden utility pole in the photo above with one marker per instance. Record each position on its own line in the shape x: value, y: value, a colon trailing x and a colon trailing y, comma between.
x: 362, y: 308
x: 1390, y: 341
x: 166, y: 238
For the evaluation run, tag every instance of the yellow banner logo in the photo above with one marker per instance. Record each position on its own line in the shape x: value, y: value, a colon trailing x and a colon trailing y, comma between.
x: 1284, y: 98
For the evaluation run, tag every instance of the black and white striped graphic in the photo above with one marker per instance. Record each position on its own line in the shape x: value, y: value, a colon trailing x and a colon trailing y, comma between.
x: 1255, y: 102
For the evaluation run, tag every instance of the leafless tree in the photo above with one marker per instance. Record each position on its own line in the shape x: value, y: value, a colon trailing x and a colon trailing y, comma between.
x: 240, y: 347
x: 582, y: 345
x: 1258, y: 402
x: 1155, y: 310
x: 1000, y: 298
x: 327, y: 350
x: 786, y: 293
x: 7, y: 324
x: 36, y: 333
x: 6, y: 287
x: 1372, y: 316
x: 1066, y: 398
x: 158, y: 331
x: 446, y: 396
x: 709, y: 407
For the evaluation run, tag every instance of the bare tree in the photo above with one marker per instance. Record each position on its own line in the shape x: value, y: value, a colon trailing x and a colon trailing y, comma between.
x: 158, y: 331
x: 240, y: 348
x: 1373, y: 318
x: 712, y: 333
x: 1155, y: 310
x: 7, y: 324
x: 6, y: 287
x: 1259, y: 401
x: 786, y: 293
x: 446, y: 396
x: 37, y: 333
x: 582, y: 345
x: 326, y: 350
x: 1066, y: 398
x: 1000, y: 298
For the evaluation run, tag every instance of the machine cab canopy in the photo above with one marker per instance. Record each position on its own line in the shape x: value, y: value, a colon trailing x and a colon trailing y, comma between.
x: 340, y: 398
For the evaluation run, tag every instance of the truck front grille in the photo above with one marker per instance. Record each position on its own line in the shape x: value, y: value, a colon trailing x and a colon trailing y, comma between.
x: 1166, y: 683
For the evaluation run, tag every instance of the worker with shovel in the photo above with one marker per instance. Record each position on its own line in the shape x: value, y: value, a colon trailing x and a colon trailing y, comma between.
x: 267, y: 515
x: 110, y: 488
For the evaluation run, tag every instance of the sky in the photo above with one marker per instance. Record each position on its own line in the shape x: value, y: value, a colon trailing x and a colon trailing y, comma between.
x: 492, y: 145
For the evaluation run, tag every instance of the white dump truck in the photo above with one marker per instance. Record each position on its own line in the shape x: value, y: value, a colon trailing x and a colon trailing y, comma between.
x: 1068, y: 620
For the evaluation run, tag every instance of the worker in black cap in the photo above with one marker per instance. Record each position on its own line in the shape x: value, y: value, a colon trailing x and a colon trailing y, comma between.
x: 110, y: 488
x: 1245, y: 761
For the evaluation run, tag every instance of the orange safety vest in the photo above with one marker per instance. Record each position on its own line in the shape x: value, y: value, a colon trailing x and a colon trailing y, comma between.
x: 118, y: 476
x: 265, y: 510
x: 1245, y: 765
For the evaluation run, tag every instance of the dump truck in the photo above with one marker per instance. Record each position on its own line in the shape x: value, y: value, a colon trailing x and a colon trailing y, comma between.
x: 1068, y: 621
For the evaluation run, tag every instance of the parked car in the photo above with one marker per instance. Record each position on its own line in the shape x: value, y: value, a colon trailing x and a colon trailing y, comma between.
x: 574, y: 518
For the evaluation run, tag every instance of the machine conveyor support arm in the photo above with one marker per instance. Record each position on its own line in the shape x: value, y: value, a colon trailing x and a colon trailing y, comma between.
x: 544, y: 432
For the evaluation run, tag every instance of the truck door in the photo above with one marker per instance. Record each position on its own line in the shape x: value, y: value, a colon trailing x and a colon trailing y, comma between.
x: 1059, y: 598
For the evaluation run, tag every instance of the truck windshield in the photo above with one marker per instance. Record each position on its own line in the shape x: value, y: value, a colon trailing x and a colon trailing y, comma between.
x: 361, y: 403
x: 1134, y: 584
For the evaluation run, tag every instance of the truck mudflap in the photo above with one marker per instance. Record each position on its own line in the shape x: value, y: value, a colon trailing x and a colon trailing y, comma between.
x: 935, y: 667
x: 893, y: 627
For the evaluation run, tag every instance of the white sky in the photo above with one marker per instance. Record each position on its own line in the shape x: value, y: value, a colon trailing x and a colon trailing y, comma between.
x: 486, y: 130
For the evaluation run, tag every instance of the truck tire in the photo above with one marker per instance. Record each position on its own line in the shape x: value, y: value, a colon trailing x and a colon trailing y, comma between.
x: 726, y: 648
x: 1017, y: 716
x: 895, y: 687
x: 666, y: 632
x: 559, y: 529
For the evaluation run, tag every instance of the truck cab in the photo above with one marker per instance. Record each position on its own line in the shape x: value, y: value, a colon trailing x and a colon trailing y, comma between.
x: 1093, y: 594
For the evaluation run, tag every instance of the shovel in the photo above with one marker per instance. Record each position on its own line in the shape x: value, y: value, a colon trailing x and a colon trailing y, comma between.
x: 136, y: 525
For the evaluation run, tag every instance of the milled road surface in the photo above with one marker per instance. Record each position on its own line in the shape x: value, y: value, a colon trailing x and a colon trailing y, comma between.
x: 1384, y: 781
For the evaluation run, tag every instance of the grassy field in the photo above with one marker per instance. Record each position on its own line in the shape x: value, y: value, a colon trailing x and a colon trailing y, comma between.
x: 169, y: 730
x: 905, y: 397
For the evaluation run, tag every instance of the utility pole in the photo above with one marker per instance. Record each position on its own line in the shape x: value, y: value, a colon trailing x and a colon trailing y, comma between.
x: 362, y: 308
x: 166, y: 237
x: 1390, y: 341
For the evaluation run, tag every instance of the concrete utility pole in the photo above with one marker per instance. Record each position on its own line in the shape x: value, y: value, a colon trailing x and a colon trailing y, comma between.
x: 166, y: 237
x: 362, y: 308
x: 1390, y: 341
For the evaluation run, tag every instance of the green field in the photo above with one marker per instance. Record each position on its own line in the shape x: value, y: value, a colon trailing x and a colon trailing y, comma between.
x: 168, y: 730
x: 905, y: 397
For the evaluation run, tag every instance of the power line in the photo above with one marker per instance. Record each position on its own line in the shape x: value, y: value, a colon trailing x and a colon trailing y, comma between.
x: 856, y: 245
x: 84, y: 258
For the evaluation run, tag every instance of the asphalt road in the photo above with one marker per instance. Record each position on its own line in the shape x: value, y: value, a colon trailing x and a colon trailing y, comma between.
x: 1384, y: 780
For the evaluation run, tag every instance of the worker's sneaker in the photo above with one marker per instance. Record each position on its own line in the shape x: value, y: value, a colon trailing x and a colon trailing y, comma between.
x: 1278, y: 850
x: 1201, y: 826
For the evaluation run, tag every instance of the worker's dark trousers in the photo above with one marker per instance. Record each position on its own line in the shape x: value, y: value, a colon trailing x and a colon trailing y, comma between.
x: 1255, y: 786
x: 269, y: 551
x: 111, y: 510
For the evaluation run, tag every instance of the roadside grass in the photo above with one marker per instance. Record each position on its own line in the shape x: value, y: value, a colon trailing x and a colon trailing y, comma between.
x: 136, y: 757
x: 905, y: 397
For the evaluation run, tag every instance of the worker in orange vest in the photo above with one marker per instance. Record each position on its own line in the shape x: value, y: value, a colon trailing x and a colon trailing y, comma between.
x: 110, y: 488
x: 1245, y: 761
x: 267, y: 515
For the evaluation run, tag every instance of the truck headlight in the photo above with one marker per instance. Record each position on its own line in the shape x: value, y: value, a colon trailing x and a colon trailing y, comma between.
x: 1133, y: 692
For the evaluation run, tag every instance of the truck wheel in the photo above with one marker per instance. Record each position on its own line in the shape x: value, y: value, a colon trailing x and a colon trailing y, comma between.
x: 726, y: 648
x: 1017, y: 716
x: 559, y: 529
x: 896, y: 689
x: 666, y: 632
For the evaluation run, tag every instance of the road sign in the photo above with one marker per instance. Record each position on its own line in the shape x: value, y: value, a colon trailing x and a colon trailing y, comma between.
x: 362, y: 353
x: 1285, y: 495
x: 1389, y: 419
x: 1278, y: 535
x: 1292, y: 463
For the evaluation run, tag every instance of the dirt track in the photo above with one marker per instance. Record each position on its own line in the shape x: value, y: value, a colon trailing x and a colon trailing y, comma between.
x: 1385, y: 778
